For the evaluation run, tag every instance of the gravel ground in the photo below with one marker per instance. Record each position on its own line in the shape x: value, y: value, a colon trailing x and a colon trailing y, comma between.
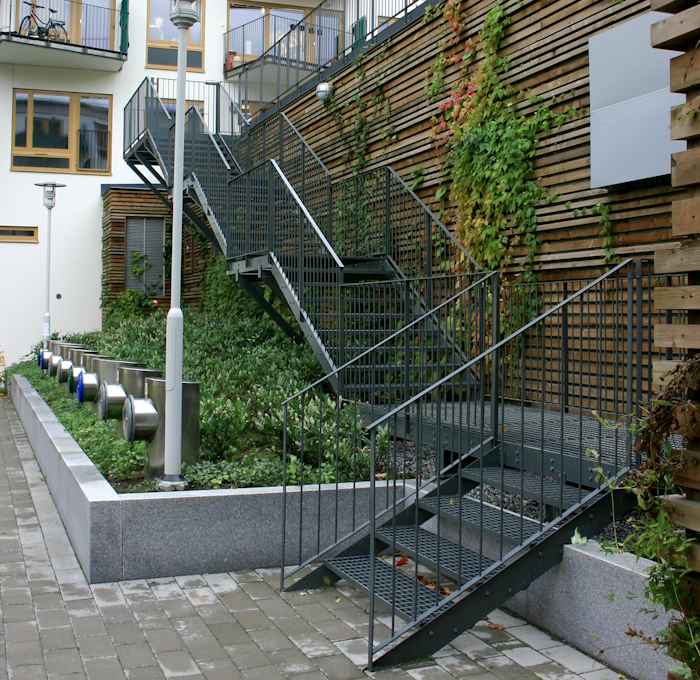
x: 624, y: 526
x: 409, y: 451
x: 511, y: 501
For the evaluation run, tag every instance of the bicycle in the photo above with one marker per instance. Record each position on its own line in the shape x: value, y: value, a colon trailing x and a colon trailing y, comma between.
x: 32, y: 26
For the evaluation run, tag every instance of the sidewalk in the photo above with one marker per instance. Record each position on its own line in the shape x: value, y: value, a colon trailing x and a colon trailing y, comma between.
x: 215, y: 626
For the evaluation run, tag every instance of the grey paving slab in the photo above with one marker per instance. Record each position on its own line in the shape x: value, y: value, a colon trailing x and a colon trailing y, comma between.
x: 227, y: 626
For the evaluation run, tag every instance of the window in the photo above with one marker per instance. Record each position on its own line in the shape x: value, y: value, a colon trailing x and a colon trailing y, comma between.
x: 61, y: 131
x: 161, y: 48
x: 145, y: 239
x: 19, y: 234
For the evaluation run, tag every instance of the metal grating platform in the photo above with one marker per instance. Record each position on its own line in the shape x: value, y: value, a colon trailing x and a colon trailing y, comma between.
x: 531, y: 486
x: 404, y: 536
x: 390, y: 584
x: 492, y: 517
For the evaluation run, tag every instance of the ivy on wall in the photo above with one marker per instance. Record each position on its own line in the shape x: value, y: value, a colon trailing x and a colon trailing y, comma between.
x: 488, y: 146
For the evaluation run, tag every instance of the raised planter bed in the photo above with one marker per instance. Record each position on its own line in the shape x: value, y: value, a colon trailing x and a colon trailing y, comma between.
x: 148, y: 535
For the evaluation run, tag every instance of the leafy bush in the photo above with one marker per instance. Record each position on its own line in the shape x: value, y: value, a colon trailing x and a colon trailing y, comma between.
x: 246, y: 367
x: 131, y: 304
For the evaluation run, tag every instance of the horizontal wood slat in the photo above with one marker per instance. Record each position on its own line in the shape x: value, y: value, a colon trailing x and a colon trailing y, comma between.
x: 685, y: 168
x: 661, y: 371
x: 680, y: 336
x: 684, y: 512
x: 677, y: 260
x: 672, y: 6
x: 685, y: 121
x: 689, y: 473
x: 677, y: 297
x: 678, y: 31
x: 685, y: 71
x: 685, y: 218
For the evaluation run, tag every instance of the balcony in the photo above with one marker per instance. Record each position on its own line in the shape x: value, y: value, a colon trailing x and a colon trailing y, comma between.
x: 82, y: 35
x: 270, y: 56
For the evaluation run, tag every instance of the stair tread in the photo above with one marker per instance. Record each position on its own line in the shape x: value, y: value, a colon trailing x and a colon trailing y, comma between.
x: 533, y: 485
x: 405, y: 539
x: 403, y: 591
x: 472, y: 512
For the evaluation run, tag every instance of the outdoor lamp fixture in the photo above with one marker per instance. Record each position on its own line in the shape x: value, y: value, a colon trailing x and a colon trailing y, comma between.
x: 49, y: 203
x: 324, y: 91
x: 183, y: 13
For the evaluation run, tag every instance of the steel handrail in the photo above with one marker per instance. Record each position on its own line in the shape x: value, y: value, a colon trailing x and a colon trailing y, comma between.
x: 306, y: 213
x: 208, y: 131
x: 401, y: 331
x: 495, y: 347
x: 433, y: 217
x: 306, y: 144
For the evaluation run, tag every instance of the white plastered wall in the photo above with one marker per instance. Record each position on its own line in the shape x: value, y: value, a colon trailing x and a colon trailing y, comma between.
x: 76, y: 241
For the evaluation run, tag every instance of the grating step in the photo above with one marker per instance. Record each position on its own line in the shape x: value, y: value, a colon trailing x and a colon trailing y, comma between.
x: 390, y: 584
x: 532, y: 486
x: 492, y: 517
x: 404, y: 537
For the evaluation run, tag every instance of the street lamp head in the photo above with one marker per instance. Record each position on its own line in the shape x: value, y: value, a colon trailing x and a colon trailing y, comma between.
x: 185, y: 13
x: 49, y: 192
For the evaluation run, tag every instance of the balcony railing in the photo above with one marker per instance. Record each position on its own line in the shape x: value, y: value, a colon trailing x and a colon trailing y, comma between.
x: 326, y: 34
x: 100, y: 26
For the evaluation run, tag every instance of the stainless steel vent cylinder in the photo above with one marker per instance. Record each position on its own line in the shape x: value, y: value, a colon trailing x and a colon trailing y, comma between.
x: 140, y: 419
x: 73, y: 378
x: 155, y: 447
x: 110, y: 400
x: 89, y: 358
x: 54, y: 362
x: 87, y: 387
x: 45, y: 359
x: 133, y: 379
x: 76, y: 355
x: 64, y: 369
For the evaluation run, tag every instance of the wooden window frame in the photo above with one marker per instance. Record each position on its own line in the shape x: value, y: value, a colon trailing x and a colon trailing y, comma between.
x: 7, y: 238
x: 172, y: 44
x: 127, y: 273
x: 73, y: 150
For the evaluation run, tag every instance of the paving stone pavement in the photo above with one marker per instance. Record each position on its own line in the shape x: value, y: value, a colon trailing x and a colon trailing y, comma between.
x: 215, y: 626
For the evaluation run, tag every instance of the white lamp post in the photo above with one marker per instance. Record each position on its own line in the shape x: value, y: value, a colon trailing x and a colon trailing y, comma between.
x: 49, y: 203
x: 184, y: 14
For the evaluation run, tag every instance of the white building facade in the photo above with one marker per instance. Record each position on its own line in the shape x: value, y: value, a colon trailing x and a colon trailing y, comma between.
x: 62, y: 97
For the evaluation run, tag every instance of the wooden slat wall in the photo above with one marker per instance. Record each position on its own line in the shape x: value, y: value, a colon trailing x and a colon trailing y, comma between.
x: 548, y: 48
x: 120, y: 203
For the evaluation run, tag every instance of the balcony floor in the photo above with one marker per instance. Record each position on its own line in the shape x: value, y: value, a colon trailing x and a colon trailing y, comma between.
x: 15, y: 49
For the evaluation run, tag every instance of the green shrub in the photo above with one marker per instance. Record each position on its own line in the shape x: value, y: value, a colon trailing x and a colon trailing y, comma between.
x: 131, y: 304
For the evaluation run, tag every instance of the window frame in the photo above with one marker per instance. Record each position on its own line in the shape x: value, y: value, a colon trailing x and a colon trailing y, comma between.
x: 6, y: 238
x: 127, y: 273
x: 72, y: 153
x: 172, y: 44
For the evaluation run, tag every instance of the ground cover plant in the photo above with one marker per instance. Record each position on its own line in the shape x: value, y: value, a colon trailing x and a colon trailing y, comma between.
x: 246, y: 367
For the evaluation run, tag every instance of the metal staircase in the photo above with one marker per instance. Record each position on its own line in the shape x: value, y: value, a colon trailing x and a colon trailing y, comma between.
x: 454, y: 445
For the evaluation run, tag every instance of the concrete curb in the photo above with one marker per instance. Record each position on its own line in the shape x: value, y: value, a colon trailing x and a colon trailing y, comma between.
x: 148, y: 535
x: 589, y: 599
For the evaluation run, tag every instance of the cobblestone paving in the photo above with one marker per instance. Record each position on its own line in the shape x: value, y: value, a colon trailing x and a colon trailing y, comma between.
x: 214, y: 626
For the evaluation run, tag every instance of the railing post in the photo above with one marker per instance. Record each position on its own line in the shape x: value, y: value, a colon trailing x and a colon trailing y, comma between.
x: 372, y: 539
x: 387, y: 225
x: 217, y: 117
x: 247, y: 215
x: 341, y: 336
x: 270, y: 207
x: 565, y: 352
x: 630, y: 345
x: 281, y: 144
x: 300, y: 264
x: 495, y: 333
x: 331, y: 232
x: 303, y: 175
x: 639, y: 344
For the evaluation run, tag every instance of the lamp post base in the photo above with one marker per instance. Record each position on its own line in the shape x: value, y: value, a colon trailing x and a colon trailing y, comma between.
x: 171, y: 483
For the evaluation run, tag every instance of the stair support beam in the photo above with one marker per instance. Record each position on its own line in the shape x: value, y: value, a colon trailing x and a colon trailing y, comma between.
x: 493, y: 590
x: 254, y: 290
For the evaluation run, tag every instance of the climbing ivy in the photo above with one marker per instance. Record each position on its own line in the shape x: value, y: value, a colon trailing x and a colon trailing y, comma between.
x: 488, y: 146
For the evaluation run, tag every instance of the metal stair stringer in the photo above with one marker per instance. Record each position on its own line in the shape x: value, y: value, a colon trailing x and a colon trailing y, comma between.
x: 515, y: 572
x: 307, y: 327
